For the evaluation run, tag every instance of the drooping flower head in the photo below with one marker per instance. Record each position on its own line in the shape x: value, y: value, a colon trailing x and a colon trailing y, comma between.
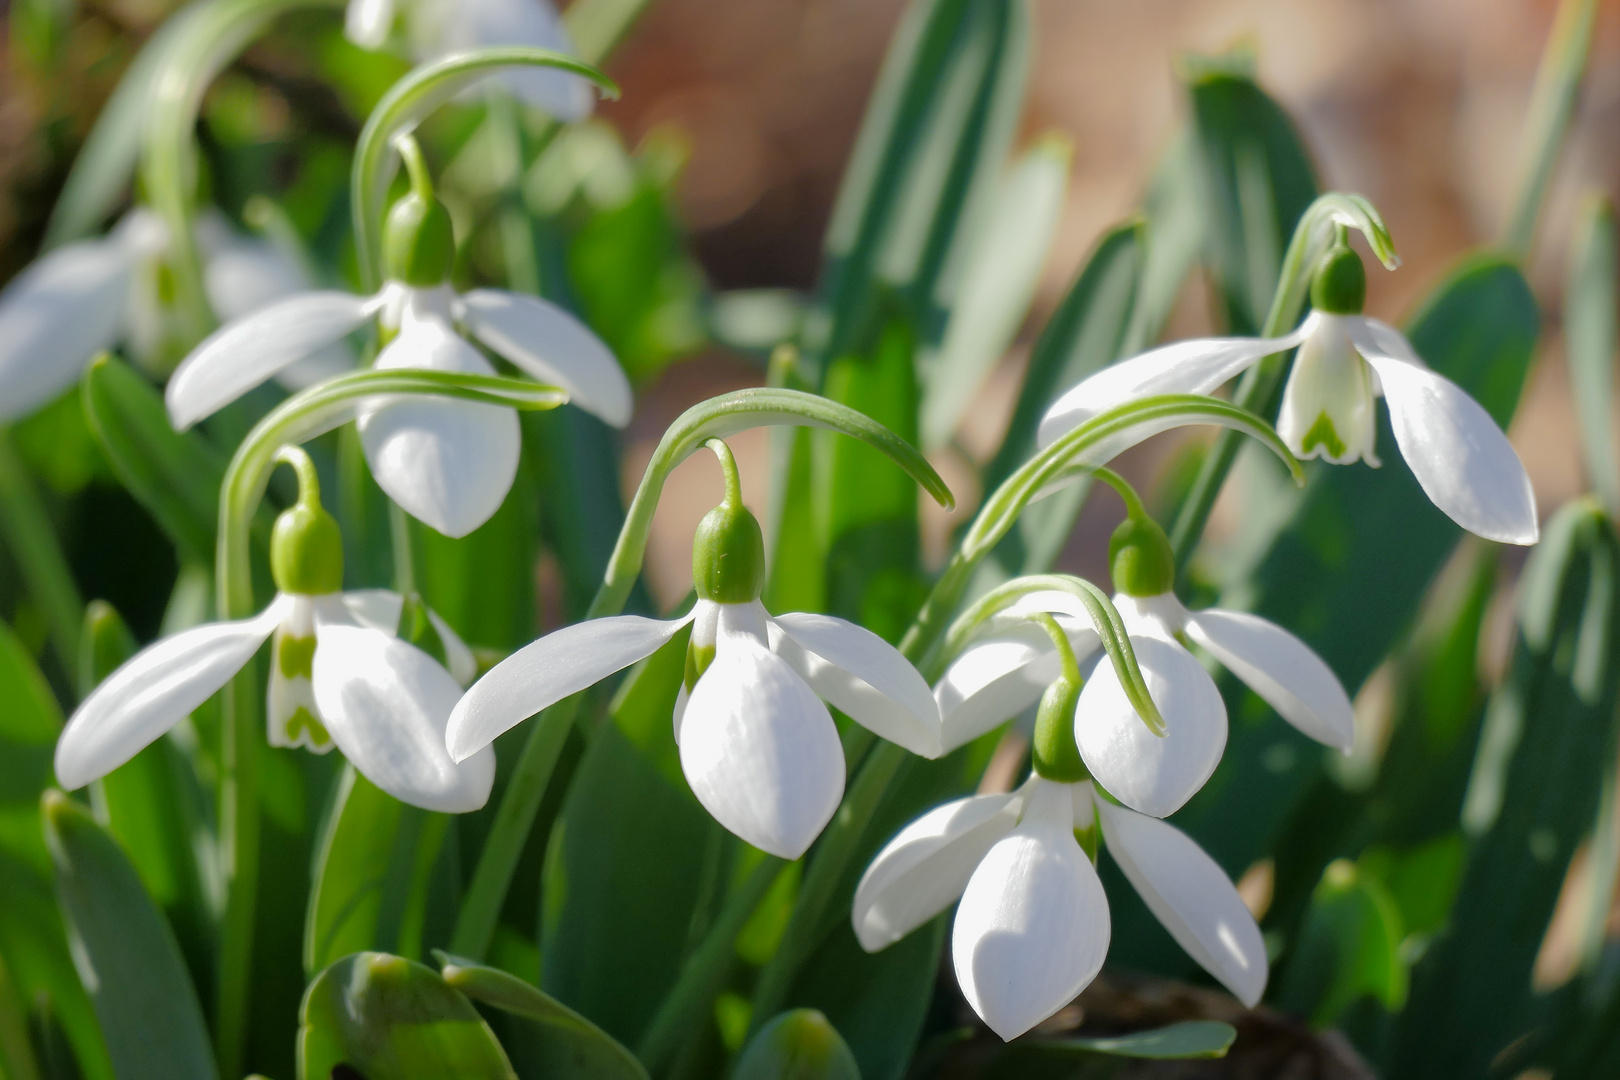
x: 1003, y: 672
x: 1032, y: 927
x: 93, y: 295
x: 448, y: 463
x: 1346, y: 360
x: 757, y: 743
x: 340, y: 676
x: 437, y: 28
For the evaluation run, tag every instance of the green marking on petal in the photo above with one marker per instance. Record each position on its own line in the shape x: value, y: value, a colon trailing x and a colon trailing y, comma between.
x: 1089, y: 839
x: 301, y: 721
x: 1323, y: 434
x: 295, y: 656
x: 698, y: 659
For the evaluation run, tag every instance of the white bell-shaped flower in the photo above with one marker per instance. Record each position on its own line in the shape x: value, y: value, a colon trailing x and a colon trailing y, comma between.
x: 1346, y: 360
x: 448, y: 463
x: 437, y: 28
x: 93, y: 295
x: 1032, y: 928
x: 757, y: 744
x: 340, y: 676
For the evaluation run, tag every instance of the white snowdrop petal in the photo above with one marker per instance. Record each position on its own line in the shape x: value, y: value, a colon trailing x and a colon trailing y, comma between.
x: 55, y: 317
x: 1282, y: 669
x: 760, y: 750
x: 1462, y: 460
x: 1147, y: 772
x: 458, y: 657
x: 865, y: 676
x: 154, y: 690
x: 679, y: 712
x: 1184, y: 367
x: 385, y: 703
x: 924, y: 869
x: 1032, y: 928
x: 565, y: 96
x: 993, y: 680
x: 244, y: 275
x: 377, y: 608
x: 554, y: 347
x: 241, y: 355
x: 1191, y: 896
x: 544, y: 672
x: 368, y: 22
x: 448, y: 463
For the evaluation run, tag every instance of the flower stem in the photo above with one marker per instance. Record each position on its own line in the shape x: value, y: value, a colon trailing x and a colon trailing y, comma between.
x: 728, y: 466
x: 28, y: 532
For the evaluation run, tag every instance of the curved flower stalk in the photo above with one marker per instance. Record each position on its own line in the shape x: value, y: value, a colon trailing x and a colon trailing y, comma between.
x: 1004, y: 671
x: 92, y: 295
x: 437, y: 28
x: 1032, y: 927
x: 1463, y: 461
x: 448, y: 463
x: 757, y: 744
x: 340, y: 676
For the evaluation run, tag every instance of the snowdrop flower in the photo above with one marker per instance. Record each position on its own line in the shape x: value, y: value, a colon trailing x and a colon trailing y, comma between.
x: 1003, y: 673
x: 339, y: 677
x: 92, y: 295
x: 448, y: 463
x: 757, y: 744
x: 438, y: 28
x: 1032, y: 928
x: 1464, y: 463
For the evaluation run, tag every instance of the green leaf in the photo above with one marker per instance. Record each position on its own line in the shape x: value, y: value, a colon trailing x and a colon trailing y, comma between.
x: 934, y: 137
x: 1090, y: 328
x: 125, y: 953
x: 1003, y: 263
x: 1550, y: 734
x: 371, y: 869
x: 1188, y: 1039
x: 614, y: 931
x: 175, y: 475
x: 1173, y: 209
x: 797, y: 1045
x: 565, y: 1045
x: 1348, y: 948
x: 1256, y: 180
x: 388, y: 1018
x: 1589, y: 329
x: 455, y: 574
x: 16, y: 1054
x: 1307, y: 565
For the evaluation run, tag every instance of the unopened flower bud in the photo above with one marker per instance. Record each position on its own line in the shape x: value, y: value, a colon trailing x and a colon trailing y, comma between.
x: 306, y: 546
x: 1140, y: 558
x: 1339, y: 286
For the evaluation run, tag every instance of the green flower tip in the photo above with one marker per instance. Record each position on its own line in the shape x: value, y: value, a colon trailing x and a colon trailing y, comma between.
x: 797, y: 1045
x: 728, y: 551
x: 1339, y: 286
x: 306, y: 546
x: 1140, y: 558
x: 419, y: 242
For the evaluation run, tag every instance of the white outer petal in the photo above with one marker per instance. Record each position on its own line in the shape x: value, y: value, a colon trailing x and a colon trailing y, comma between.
x: 1146, y: 772
x: 1282, y: 669
x: 565, y: 96
x: 924, y: 869
x: 154, y: 690
x: 1191, y: 895
x: 1032, y: 928
x: 759, y: 748
x: 993, y: 680
x: 55, y: 316
x: 1184, y: 367
x: 239, y: 356
x: 448, y: 463
x: 368, y: 22
x: 380, y: 609
x: 865, y: 676
x: 385, y: 703
x: 554, y: 347
x: 1462, y: 460
x: 544, y: 672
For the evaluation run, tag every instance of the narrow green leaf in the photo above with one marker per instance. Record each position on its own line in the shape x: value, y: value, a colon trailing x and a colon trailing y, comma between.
x: 797, y: 1045
x: 1589, y: 327
x: 1003, y: 263
x: 1173, y: 210
x: 566, y: 1046
x: 16, y: 1054
x: 1549, y: 738
x: 1256, y: 180
x: 125, y: 953
x: 175, y: 475
x: 388, y: 1018
x: 1188, y: 1039
x: 1349, y: 948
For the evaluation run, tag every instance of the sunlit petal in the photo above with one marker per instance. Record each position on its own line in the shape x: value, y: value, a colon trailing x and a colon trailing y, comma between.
x: 368, y: 22
x: 554, y: 347
x: 993, y: 680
